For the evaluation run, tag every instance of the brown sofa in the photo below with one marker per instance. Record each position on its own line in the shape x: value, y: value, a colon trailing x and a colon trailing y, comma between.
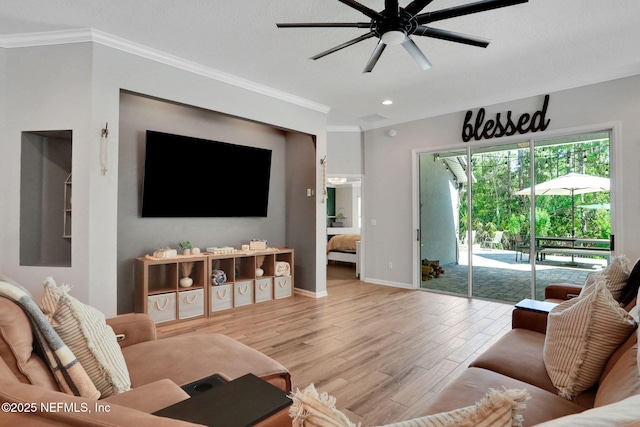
x: 157, y: 368
x: 516, y: 361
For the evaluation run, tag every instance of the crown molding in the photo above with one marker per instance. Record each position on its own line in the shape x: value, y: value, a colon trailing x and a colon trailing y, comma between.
x: 95, y: 36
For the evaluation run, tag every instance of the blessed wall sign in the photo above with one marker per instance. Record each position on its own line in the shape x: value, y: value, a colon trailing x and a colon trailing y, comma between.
x: 504, y: 125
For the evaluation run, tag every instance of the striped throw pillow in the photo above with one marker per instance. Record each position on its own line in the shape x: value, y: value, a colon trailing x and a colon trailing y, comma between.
x: 616, y: 275
x: 582, y: 333
x: 85, y: 331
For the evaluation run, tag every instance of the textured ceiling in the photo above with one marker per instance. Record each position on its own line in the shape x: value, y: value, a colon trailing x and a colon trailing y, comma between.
x: 537, y: 47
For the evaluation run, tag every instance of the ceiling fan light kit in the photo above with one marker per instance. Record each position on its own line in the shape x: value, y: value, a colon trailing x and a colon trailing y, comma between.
x: 395, y: 25
x: 392, y: 38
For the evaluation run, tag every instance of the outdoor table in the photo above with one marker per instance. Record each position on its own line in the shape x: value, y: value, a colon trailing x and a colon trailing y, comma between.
x: 572, y: 249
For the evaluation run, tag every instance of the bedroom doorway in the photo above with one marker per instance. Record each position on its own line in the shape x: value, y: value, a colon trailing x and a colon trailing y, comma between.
x: 344, y: 225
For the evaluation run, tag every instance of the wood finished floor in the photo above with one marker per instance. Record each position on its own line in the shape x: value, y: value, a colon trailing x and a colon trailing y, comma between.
x: 383, y: 352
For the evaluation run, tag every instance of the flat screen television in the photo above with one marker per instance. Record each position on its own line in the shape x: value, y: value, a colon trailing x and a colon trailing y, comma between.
x: 193, y: 177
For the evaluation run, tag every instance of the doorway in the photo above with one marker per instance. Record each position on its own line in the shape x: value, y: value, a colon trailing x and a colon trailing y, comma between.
x: 344, y: 225
x: 477, y: 237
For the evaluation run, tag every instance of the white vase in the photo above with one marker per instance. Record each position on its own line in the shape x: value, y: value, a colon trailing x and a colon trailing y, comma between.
x: 186, y: 252
x: 185, y: 282
x: 259, y: 272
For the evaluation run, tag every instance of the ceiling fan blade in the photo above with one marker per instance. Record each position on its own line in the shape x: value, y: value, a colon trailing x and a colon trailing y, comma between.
x: 416, y: 53
x: 325, y: 24
x: 374, y: 57
x: 416, y: 6
x: 391, y: 9
x: 451, y: 36
x: 362, y: 8
x: 452, y: 12
x: 343, y: 45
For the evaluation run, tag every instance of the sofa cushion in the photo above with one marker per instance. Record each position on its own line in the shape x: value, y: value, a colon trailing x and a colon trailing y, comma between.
x: 518, y: 354
x: 473, y: 383
x: 85, y: 331
x: 622, y: 381
x: 582, y: 333
x: 615, y: 274
x: 186, y: 358
x: 617, y: 414
x: 16, y: 347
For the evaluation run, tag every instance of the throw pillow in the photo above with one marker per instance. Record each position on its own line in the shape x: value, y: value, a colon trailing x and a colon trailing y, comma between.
x: 85, y: 331
x: 616, y: 275
x: 582, y: 333
x: 497, y: 408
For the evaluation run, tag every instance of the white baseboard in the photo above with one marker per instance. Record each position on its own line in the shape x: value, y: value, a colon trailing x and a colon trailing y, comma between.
x: 306, y: 293
x: 387, y: 283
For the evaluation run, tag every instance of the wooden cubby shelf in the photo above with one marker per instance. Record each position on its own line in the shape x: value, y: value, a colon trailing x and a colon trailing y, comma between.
x: 251, y: 277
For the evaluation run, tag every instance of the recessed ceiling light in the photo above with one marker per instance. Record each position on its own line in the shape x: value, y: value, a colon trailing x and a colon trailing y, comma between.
x: 387, y: 102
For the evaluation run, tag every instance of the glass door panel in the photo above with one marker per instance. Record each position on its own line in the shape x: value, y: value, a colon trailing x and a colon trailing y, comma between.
x: 443, y: 243
x: 500, y: 219
x: 573, y: 216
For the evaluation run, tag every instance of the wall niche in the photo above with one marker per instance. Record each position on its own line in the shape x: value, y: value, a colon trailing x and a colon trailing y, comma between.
x: 45, y: 198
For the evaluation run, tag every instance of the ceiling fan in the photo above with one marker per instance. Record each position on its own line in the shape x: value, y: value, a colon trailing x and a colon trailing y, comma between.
x: 395, y: 25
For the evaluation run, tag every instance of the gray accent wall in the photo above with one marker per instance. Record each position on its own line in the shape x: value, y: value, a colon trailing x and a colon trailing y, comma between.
x: 291, y: 163
x: 301, y: 209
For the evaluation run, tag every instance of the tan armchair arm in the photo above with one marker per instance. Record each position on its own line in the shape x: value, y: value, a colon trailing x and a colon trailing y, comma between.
x: 57, y: 409
x: 133, y: 328
x: 562, y: 291
x: 150, y: 397
x: 532, y: 315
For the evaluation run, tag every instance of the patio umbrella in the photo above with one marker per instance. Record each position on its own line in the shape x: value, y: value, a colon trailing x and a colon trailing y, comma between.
x: 569, y: 185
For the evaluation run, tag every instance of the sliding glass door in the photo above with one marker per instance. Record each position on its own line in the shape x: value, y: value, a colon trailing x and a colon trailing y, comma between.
x: 477, y: 236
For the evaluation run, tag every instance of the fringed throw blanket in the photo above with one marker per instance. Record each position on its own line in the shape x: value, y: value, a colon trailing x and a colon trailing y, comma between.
x: 68, y: 372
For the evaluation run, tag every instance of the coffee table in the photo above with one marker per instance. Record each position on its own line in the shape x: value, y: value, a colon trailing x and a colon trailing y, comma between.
x: 242, y: 402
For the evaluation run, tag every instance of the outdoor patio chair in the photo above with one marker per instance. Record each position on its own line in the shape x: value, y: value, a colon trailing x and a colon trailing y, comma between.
x: 492, y: 241
x: 521, y: 247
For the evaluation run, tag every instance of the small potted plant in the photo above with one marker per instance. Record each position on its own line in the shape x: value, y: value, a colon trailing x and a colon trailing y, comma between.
x: 186, y: 247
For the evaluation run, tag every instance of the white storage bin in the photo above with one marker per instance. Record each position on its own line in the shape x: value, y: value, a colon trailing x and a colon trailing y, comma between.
x: 283, y: 287
x: 264, y: 289
x: 190, y: 303
x: 242, y: 293
x: 221, y: 297
x: 162, y: 307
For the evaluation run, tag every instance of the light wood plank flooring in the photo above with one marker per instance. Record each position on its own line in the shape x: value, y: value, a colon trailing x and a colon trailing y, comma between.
x: 383, y: 352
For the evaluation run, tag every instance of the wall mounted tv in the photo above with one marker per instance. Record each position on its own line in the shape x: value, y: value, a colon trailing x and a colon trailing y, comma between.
x: 192, y: 177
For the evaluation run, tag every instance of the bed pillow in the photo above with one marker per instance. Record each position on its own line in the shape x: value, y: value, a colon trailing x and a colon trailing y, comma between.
x: 616, y: 275
x: 582, y: 333
x: 496, y: 409
x: 85, y: 331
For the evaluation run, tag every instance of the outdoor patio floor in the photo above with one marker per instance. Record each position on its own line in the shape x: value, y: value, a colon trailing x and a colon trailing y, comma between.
x: 497, y: 275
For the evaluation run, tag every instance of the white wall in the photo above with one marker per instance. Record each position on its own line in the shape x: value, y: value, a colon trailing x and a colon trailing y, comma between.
x: 5, y: 185
x: 77, y: 87
x: 48, y: 89
x: 389, y: 165
x: 344, y: 153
